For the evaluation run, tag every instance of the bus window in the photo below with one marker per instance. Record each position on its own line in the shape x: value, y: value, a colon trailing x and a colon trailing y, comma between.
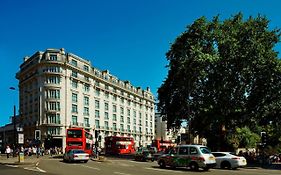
x: 74, y: 133
x: 88, y: 136
x: 74, y: 143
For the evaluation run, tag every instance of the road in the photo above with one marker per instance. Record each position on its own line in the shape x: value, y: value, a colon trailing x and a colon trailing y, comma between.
x: 118, y: 167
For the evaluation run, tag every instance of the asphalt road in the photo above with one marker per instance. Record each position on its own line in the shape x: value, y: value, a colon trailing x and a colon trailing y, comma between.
x: 118, y: 167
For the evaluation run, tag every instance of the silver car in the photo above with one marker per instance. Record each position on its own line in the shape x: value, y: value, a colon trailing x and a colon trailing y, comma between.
x: 75, y: 155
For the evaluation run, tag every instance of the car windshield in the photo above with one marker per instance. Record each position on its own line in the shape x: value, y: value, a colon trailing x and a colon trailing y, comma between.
x: 205, y: 150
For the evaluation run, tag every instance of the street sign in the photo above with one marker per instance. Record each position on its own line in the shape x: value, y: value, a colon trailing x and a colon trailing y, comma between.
x: 21, y: 138
x: 37, y: 135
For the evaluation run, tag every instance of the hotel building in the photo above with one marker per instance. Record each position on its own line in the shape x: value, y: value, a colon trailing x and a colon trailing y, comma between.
x: 60, y: 90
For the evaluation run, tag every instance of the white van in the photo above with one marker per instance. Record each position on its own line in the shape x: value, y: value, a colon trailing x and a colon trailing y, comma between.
x: 193, y: 156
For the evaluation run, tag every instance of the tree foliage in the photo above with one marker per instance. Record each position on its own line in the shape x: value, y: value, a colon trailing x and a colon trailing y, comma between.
x: 223, y: 74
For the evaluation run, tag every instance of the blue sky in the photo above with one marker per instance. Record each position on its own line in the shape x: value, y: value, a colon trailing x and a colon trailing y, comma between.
x: 127, y: 37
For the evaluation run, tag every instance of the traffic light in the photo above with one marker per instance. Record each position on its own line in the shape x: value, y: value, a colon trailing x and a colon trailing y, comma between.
x: 263, y: 137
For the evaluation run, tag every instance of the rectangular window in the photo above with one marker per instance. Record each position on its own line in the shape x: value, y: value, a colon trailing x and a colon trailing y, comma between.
x: 86, y: 111
x: 114, y: 108
x: 86, y: 101
x: 122, y: 118
x: 122, y: 110
x: 53, y: 106
x: 97, y: 122
x: 114, y: 127
x: 128, y: 112
x: 97, y: 113
x: 86, y: 122
x: 114, y: 118
x: 128, y: 120
x: 73, y: 62
x: 53, y: 58
x: 86, y: 68
x: 122, y: 127
x: 86, y: 78
x: 74, y: 74
x: 53, y: 118
x: 106, y: 125
x: 106, y: 106
x: 129, y: 128
x: 106, y: 116
x: 106, y: 95
x: 74, y: 120
x: 114, y: 97
x: 97, y: 104
x: 53, y: 94
x: 74, y: 84
x: 97, y: 92
x: 74, y: 98
x: 74, y: 108
x: 52, y: 80
x: 86, y: 87
x: 54, y: 130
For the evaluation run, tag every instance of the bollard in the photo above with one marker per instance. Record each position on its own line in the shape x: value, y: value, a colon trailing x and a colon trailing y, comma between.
x: 21, y: 157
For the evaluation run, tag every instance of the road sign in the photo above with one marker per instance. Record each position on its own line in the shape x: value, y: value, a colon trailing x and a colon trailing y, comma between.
x: 21, y: 138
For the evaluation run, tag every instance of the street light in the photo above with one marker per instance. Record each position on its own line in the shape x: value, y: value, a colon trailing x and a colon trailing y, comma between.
x: 14, y: 122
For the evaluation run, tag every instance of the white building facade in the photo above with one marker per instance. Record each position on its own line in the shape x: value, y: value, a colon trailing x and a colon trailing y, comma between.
x: 60, y: 90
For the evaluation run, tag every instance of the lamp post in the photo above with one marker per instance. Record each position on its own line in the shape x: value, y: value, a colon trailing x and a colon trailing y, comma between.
x: 14, y: 123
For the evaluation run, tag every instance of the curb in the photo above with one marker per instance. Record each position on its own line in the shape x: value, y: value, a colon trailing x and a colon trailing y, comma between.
x: 99, y: 159
x: 18, y: 163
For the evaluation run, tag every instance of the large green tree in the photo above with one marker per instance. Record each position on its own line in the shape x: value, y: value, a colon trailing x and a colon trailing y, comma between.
x: 223, y: 75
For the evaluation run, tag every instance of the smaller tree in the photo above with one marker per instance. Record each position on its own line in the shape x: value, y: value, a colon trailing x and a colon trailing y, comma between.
x: 243, y: 138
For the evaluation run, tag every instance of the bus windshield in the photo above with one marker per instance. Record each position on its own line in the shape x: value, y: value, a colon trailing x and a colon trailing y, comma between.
x: 74, y: 133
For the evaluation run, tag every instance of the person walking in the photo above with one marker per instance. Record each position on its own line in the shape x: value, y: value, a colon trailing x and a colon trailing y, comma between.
x: 8, y: 151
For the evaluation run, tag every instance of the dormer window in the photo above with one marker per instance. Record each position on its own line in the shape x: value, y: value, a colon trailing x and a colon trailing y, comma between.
x: 53, y: 57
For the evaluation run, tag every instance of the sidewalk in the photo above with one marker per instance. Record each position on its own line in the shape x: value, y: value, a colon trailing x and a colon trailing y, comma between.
x: 15, y: 160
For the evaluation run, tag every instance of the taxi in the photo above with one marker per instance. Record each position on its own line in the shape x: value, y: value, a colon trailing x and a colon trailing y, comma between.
x: 192, y: 156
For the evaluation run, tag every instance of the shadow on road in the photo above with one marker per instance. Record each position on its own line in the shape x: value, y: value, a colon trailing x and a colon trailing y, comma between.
x: 178, y: 169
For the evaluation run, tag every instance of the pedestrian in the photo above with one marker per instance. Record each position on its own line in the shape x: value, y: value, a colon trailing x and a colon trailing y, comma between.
x: 38, y: 151
x: 8, y: 151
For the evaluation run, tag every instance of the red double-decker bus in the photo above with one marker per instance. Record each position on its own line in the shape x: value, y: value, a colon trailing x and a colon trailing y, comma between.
x: 162, y: 145
x: 79, y: 138
x: 119, y: 145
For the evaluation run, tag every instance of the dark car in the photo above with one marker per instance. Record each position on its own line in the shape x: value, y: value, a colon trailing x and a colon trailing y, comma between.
x: 144, y: 155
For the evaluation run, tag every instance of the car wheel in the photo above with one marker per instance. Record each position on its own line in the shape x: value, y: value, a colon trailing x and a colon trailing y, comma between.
x: 85, y: 161
x: 193, y: 166
x: 152, y: 160
x: 225, y: 165
x: 206, y: 168
x: 162, y: 164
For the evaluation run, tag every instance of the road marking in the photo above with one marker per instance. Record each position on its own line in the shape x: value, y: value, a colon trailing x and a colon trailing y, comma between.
x: 91, y: 167
x: 35, y: 169
x: 121, y: 173
x: 39, y: 169
x: 14, y: 166
x: 164, y: 170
